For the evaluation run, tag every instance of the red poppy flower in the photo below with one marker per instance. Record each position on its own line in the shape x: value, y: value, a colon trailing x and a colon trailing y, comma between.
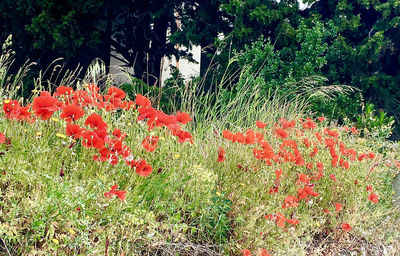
x: 114, y: 98
x: 92, y: 88
x: 320, y: 166
x: 302, y: 178
x: 227, y: 134
x: 321, y: 118
x: 142, y: 101
x: 361, y: 156
x: 281, y: 133
x: 2, y: 138
x: 221, y: 154
x: 63, y: 90
x: 250, y: 137
x: 326, y: 211
x: 290, y: 201
x: 332, y: 177
x: 346, y: 227
x: 309, y: 124
x: 338, y: 207
x: 142, y: 168
x: 11, y: 108
x: 105, y: 154
x: 280, y: 220
x: 24, y: 113
x: 114, y: 92
x: 264, y: 253
x: 306, y: 191
x: 239, y: 137
x: 126, y: 105
x: 79, y: 96
x: 318, y: 136
x: 91, y: 139
x: 331, y: 133
x: 346, y: 165
x: 95, y: 121
x: 260, y: 124
x: 45, y: 106
x: 354, y: 130
x: 72, y: 112
x: 273, y: 190
x: 293, y: 221
x: 287, y: 124
x: 183, y: 136
x: 182, y: 117
x: 150, y: 143
x: 278, y: 173
x: 306, y: 142
x: 371, y: 155
x: 246, y: 252
x: 114, y: 191
x: 149, y: 113
x: 373, y: 198
x: 74, y: 130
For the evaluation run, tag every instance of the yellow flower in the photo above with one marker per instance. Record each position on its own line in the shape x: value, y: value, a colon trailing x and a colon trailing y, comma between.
x: 55, y: 119
x: 72, y: 231
x: 25, y: 130
x: 55, y: 241
x: 39, y: 133
x: 361, y: 140
x: 161, y: 138
x: 317, y: 224
x: 217, y: 193
x: 61, y: 135
x: 7, y: 101
x: 176, y: 156
x: 34, y: 91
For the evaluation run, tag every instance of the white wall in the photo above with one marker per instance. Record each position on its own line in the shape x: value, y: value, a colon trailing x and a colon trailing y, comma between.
x: 187, y: 69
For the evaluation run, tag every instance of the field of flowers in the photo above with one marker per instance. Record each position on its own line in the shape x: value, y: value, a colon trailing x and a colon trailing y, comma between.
x: 87, y: 171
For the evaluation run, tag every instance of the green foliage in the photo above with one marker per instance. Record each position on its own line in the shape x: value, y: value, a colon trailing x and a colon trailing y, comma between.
x: 294, y: 71
x: 347, y: 42
x: 365, y: 54
x: 375, y: 125
x: 303, y: 58
x: 190, y: 203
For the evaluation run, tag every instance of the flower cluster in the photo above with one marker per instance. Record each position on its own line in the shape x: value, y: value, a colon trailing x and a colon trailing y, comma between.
x: 298, y: 144
x: 73, y: 105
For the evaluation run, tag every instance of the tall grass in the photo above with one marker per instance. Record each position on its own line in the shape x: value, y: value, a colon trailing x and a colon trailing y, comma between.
x: 11, y: 85
x: 191, y: 204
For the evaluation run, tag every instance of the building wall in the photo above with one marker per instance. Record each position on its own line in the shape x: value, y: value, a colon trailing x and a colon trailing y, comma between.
x: 187, y: 69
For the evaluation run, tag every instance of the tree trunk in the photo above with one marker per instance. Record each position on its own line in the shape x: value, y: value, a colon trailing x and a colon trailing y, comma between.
x: 206, y: 71
x: 108, y: 38
x: 158, y: 49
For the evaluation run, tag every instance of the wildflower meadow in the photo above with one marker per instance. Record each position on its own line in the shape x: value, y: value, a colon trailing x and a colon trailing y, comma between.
x: 89, y: 171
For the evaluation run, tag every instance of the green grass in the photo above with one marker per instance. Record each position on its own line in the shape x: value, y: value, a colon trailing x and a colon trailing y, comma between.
x: 190, y: 203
